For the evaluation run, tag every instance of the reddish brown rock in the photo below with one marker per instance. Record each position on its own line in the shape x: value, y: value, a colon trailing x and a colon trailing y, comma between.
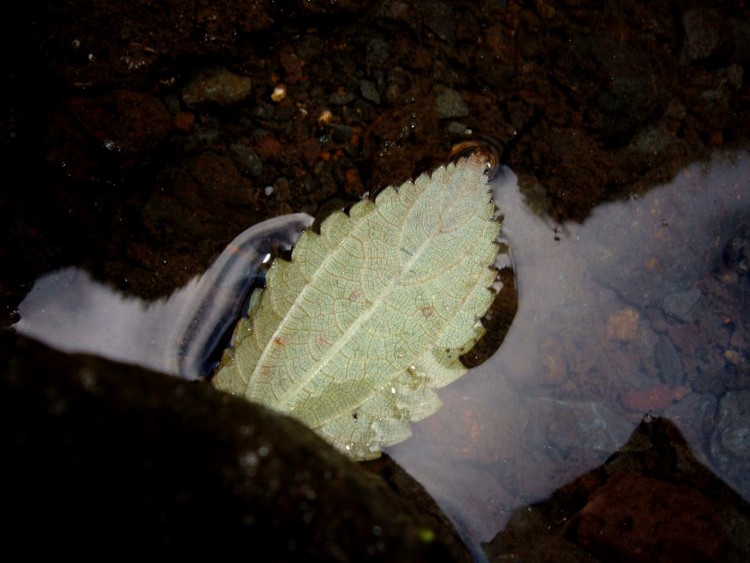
x: 653, y: 399
x: 553, y: 358
x: 638, y: 518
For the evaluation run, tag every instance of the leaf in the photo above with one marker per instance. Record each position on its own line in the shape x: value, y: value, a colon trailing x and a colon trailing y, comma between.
x: 355, y: 333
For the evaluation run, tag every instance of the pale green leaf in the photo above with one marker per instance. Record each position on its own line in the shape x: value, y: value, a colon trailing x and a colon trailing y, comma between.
x: 355, y: 333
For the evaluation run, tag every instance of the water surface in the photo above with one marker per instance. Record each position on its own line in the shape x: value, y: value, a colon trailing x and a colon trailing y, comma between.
x: 616, y: 318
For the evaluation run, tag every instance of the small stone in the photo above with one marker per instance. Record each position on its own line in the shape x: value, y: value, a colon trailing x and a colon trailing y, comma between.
x: 457, y: 128
x: 184, y: 121
x: 218, y: 86
x: 703, y: 33
x: 692, y: 414
x: 341, y: 98
x: 398, y: 81
x: 737, y: 440
x: 341, y: 133
x: 450, y: 104
x: 440, y: 19
x: 279, y: 93
x: 732, y: 433
x: 325, y: 117
x: 586, y: 425
x: 247, y: 160
x: 653, y: 399
x: 378, y: 52
x: 682, y: 305
x: 668, y: 362
x: 734, y: 357
x: 369, y: 91
x: 622, y: 326
x: 554, y: 365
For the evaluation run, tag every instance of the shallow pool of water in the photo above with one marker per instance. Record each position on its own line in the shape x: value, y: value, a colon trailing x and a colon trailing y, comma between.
x: 642, y: 309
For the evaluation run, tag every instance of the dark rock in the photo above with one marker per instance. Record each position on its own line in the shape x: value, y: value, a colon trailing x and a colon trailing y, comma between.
x: 705, y: 34
x: 449, y: 104
x: 729, y: 443
x: 246, y: 159
x: 378, y: 52
x: 102, y: 456
x: 682, y: 305
x: 398, y: 82
x: 578, y: 425
x: 341, y: 98
x: 694, y: 414
x: 369, y: 91
x: 668, y: 362
x: 439, y: 19
x: 736, y: 256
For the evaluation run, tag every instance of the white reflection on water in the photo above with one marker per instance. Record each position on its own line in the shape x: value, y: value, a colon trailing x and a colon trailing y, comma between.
x: 178, y: 335
x: 596, y: 344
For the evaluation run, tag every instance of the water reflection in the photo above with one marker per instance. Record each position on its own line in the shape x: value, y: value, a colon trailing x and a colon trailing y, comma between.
x: 179, y: 335
x: 642, y: 309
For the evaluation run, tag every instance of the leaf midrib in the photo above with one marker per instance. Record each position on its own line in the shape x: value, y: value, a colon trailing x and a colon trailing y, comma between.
x: 363, y: 317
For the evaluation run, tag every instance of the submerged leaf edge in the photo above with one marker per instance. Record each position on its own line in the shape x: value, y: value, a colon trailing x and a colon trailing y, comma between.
x: 383, y: 417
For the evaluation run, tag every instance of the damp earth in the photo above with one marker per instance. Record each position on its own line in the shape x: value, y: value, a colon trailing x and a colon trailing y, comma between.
x: 139, y: 139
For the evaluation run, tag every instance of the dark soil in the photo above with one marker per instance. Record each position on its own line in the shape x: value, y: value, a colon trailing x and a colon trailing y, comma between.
x: 138, y: 138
